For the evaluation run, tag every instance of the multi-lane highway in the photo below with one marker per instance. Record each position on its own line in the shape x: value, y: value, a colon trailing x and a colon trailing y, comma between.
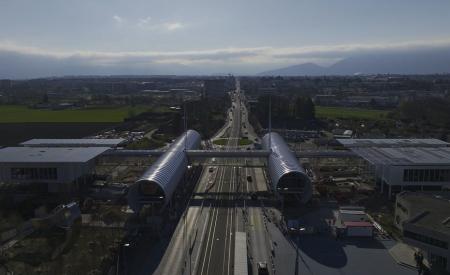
x: 217, y: 250
x: 230, y: 226
x: 204, y: 240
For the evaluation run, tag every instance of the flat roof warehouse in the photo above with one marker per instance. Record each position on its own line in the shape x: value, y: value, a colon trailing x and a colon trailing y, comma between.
x: 405, y: 156
x: 405, y: 164
x: 61, y: 168
x: 49, y: 154
x: 80, y: 142
x: 393, y: 142
x: 400, y: 151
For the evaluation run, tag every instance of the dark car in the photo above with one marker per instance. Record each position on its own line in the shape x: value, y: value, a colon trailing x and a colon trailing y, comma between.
x: 262, y: 268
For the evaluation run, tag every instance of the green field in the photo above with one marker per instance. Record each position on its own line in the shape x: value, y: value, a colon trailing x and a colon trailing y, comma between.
x: 19, y: 113
x: 350, y: 113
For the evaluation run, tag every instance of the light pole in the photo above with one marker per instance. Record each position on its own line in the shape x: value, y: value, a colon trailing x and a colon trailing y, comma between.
x: 185, y: 124
x: 270, y: 122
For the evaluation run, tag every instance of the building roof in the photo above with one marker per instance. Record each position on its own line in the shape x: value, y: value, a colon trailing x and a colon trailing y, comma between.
x: 405, y: 156
x: 393, y: 142
x: 352, y: 212
x: 434, y: 210
x: 80, y: 142
x: 49, y: 155
x: 358, y: 224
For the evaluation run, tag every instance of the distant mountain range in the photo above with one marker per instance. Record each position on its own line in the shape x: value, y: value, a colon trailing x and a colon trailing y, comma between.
x: 431, y: 60
x: 417, y: 62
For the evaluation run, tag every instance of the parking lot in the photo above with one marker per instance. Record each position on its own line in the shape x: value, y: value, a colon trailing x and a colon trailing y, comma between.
x: 322, y: 254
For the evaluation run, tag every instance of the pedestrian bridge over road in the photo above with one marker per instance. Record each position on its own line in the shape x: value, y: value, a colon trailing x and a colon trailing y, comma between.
x: 160, y: 181
x: 233, y: 153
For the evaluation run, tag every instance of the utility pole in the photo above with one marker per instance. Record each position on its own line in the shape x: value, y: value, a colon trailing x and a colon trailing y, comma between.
x: 185, y: 124
x: 270, y: 122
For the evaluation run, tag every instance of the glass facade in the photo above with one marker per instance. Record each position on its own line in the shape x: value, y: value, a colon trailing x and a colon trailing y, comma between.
x: 438, y: 260
x: 34, y: 173
x: 401, y: 207
x: 425, y: 239
x: 426, y: 175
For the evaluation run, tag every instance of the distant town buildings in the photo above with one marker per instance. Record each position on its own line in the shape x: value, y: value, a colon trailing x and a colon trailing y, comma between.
x: 294, y: 135
x: 267, y: 91
x: 357, y: 100
x: 176, y: 95
x: 214, y: 87
x: 5, y: 84
x: 373, y: 91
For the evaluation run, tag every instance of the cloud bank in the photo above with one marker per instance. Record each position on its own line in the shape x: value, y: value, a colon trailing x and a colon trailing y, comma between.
x: 148, y: 24
x: 119, y: 20
x: 19, y: 61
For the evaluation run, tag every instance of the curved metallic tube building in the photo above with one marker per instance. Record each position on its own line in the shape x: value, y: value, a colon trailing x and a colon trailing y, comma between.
x: 159, y: 182
x: 286, y: 173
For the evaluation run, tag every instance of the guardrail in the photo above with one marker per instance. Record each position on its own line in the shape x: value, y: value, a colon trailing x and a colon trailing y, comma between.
x: 232, y: 153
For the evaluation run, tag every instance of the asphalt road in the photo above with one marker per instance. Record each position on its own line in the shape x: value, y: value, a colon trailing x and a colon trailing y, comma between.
x: 229, y: 212
x: 221, y: 205
x: 203, y: 242
x: 217, y: 252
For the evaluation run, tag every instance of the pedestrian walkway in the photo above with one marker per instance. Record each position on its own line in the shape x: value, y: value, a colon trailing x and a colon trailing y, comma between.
x: 403, y: 254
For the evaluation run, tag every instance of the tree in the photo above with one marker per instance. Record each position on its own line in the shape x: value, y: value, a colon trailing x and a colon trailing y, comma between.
x: 131, y: 113
x: 310, y: 109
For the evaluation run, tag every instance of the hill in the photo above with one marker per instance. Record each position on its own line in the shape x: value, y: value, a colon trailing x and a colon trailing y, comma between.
x: 413, y: 62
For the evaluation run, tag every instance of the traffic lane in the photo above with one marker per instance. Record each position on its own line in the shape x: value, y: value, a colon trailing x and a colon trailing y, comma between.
x: 221, y: 252
x: 173, y: 260
x: 218, y: 256
x: 249, y: 128
x: 205, y: 178
x: 202, y: 265
x: 258, y: 237
x: 205, y: 224
x: 212, y: 260
x: 180, y: 243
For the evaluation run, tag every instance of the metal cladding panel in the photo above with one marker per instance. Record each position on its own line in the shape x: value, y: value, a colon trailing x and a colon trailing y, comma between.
x: 79, y: 142
x: 168, y: 170
x: 282, y: 161
x: 26, y: 155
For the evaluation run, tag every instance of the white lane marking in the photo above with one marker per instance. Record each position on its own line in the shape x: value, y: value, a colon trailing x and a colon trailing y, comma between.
x: 231, y: 224
x: 202, y: 239
x: 226, y: 232
x: 215, y: 226
x: 214, y: 217
x: 220, y: 187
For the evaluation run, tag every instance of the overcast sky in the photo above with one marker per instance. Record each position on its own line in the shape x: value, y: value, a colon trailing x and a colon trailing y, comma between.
x: 208, y: 36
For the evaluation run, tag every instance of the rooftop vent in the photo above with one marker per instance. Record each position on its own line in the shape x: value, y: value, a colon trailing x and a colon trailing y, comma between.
x: 446, y: 222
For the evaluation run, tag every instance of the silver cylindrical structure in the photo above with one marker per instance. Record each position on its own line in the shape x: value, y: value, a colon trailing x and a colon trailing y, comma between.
x: 285, y: 171
x: 159, y: 182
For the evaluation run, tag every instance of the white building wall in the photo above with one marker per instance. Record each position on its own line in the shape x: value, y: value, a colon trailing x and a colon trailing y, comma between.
x: 66, y: 172
x: 393, y: 175
x: 428, y: 247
